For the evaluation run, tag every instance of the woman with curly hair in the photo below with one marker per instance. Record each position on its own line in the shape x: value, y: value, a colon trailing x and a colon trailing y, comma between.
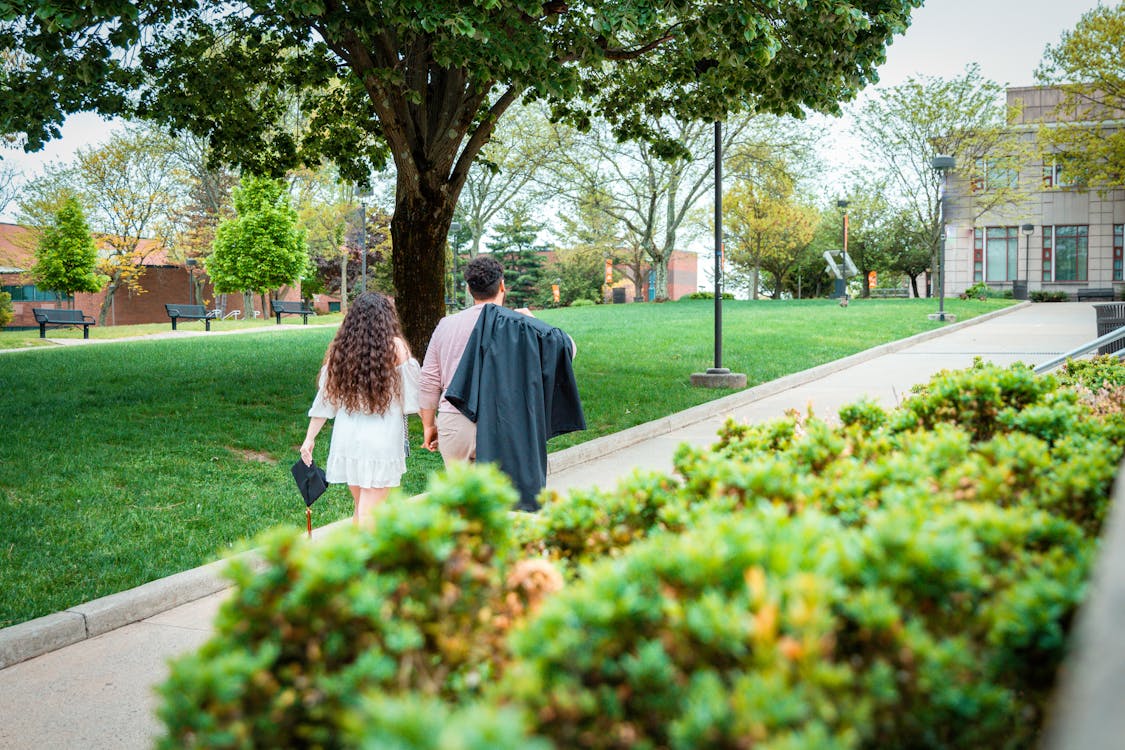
x: 368, y: 384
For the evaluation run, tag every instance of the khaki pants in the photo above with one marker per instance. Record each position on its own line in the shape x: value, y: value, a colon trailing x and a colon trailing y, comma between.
x: 457, y: 437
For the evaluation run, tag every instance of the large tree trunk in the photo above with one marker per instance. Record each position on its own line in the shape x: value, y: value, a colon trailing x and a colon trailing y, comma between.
x: 418, y: 232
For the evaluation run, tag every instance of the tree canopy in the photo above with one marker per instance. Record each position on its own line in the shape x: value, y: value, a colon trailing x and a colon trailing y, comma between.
x: 1089, y: 67
x: 261, y: 248
x: 279, y: 83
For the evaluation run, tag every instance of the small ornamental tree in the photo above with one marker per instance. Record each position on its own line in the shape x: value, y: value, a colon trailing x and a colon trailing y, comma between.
x: 5, y: 309
x: 66, y: 255
x: 262, y: 247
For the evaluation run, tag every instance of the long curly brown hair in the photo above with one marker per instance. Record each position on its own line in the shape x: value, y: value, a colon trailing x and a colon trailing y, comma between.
x: 362, y: 360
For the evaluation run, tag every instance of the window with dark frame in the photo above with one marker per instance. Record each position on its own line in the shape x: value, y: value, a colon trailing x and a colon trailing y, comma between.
x: 1069, y: 244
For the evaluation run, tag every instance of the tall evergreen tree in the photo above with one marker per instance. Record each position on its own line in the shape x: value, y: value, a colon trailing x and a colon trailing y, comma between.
x: 523, y: 261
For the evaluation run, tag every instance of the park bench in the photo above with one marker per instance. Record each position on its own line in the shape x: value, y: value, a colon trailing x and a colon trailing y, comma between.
x: 284, y: 307
x: 1095, y: 292
x: 46, y: 316
x: 898, y: 291
x: 190, y: 312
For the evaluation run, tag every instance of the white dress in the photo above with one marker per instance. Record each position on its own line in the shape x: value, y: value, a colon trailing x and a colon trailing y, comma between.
x: 369, y: 450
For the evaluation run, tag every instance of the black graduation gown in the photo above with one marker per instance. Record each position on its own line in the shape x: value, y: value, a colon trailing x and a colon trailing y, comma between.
x: 516, y: 381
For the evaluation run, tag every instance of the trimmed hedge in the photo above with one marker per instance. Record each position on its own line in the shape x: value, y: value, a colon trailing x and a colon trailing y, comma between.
x: 900, y: 579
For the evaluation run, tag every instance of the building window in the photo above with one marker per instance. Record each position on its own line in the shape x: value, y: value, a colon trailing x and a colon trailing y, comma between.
x: 978, y: 255
x: 1001, y: 249
x: 1118, y: 250
x: 1055, y: 177
x: 994, y: 174
x: 30, y: 293
x: 1047, y: 253
x: 1070, y: 246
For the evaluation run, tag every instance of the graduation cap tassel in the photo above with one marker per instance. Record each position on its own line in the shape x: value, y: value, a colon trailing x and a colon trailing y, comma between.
x: 308, y: 517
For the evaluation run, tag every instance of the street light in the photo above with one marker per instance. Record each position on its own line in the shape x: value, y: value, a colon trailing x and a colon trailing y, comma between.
x: 1027, y: 230
x: 942, y: 164
x: 454, y: 228
x: 718, y: 376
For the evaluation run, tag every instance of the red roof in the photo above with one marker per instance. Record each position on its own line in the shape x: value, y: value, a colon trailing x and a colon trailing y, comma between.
x: 17, y: 248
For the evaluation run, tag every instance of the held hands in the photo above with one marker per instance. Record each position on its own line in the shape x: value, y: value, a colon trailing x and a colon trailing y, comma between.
x: 429, y: 437
x: 307, y: 451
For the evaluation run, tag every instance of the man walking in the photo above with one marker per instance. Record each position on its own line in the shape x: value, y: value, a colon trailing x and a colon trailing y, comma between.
x: 496, y: 384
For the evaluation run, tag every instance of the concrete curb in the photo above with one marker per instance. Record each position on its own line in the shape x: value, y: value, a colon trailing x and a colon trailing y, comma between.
x: 50, y: 632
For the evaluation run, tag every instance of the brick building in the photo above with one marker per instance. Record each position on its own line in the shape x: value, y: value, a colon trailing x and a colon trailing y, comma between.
x: 163, y: 280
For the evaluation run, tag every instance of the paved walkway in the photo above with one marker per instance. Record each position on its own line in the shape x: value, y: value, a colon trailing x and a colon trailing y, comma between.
x: 97, y: 692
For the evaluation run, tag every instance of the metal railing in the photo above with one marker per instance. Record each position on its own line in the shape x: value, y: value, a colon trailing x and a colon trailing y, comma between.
x: 1109, y: 338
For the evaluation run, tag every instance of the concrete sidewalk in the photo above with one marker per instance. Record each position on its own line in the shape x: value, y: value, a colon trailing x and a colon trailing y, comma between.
x: 92, y: 684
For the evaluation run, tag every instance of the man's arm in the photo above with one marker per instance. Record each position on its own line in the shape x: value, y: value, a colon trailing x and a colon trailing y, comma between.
x: 429, y: 429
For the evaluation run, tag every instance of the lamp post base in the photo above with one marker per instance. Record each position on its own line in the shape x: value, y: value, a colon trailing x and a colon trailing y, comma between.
x: 947, y: 317
x: 718, y: 377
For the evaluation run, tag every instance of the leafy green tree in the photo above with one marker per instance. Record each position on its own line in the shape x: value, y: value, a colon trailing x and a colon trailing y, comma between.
x: 912, y: 251
x: 132, y: 185
x: 579, y: 271
x: 66, y: 255
x: 425, y: 84
x: 591, y: 236
x: 872, y: 245
x: 650, y: 197
x: 506, y: 170
x: 1089, y: 67
x: 902, y: 128
x: 767, y: 228
x: 262, y: 247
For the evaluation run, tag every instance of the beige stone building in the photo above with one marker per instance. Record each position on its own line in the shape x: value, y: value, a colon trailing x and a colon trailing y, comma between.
x: 1060, y: 237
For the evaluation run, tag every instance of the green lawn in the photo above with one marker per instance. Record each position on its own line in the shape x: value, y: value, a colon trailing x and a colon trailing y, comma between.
x: 128, y: 462
x: 29, y: 337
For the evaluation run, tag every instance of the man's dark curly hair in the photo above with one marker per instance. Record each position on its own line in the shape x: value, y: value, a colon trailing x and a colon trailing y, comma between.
x: 361, y: 361
x: 483, y: 275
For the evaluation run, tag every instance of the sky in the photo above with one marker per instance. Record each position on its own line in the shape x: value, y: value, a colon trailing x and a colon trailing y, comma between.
x: 1005, y: 37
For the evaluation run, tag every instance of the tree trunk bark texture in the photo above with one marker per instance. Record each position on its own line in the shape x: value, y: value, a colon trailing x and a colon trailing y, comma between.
x: 418, y: 233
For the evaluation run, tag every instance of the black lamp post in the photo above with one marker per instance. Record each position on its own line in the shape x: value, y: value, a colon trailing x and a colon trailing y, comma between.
x: 1027, y: 229
x: 942, y: 164
x: 454, y: 228
x: 718, y: 368
x: 718, y: 376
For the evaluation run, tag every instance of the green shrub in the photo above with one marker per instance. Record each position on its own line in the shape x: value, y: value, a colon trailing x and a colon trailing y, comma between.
x: 401, y: 608
x: 580, y: 302
x: 6, y: 313
x: 1042, y: 295
x: 917, y: 630
x: 905, y: 578
x: 707, y: 295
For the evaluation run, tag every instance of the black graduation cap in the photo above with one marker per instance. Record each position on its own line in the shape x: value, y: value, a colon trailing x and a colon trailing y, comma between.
x: 311, y: 483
